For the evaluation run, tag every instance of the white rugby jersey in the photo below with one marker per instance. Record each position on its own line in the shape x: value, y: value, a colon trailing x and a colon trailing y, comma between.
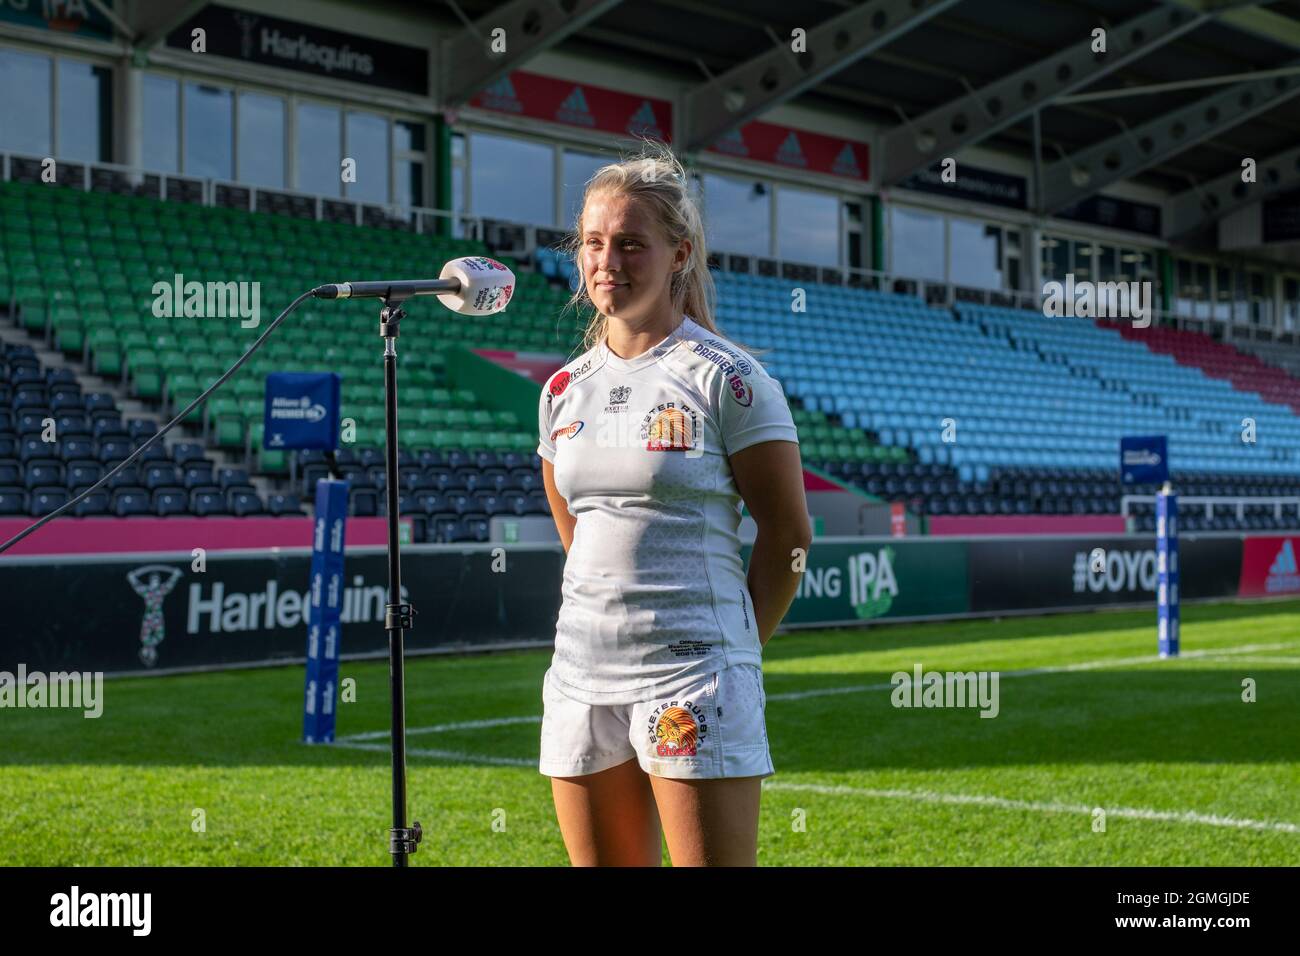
x: 654, y: 590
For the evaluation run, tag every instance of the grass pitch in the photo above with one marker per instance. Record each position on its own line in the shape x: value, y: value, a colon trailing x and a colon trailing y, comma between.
x: 1186, y: 772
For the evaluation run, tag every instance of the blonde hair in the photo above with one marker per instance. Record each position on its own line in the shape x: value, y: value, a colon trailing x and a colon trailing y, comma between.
x: 656, y: 177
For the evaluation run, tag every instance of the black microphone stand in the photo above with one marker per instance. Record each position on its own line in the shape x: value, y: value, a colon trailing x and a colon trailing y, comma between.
x: 403, y: 841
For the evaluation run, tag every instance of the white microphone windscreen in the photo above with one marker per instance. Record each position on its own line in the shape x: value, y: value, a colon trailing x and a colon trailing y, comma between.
x: 485, y: 285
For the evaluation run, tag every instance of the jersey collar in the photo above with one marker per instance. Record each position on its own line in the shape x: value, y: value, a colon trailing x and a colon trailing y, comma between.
x: 653, y: 354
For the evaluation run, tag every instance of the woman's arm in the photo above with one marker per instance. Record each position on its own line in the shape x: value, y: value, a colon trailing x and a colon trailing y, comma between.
x: 769, y: 477
x: 564, y: 521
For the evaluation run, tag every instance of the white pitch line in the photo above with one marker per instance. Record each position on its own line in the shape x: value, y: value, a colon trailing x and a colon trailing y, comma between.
x: 1256, y: 659
x: 920, y: 796
x: 1054, y: 669
x: 853, y: 689
x: 355, y: 742
x: 441, y: 754
x: 442, y: 728
x: 1134, y: 813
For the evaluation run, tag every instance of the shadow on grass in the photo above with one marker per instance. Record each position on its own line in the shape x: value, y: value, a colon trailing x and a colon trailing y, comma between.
x: 1158, y: 713
x: 884, y: 635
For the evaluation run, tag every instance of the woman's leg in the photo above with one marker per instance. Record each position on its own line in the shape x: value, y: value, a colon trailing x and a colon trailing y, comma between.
x: 710, y: 822
x: 609, y: 818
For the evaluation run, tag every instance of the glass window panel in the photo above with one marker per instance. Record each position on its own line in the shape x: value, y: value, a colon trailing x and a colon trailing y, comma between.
x: 25, y: 120
x: 1056, y: 257
x: 368, y: 144
x: 737, y: 215
x: 1109, y: 263
x: 512, y: 179
x: 1146, y: 265
x: 975, y: 254
x: 160, y: 101
x: 854, y: 251
x: 916, y: 244
x: 1240, y: 302
x: 578, y: 169
x: 85, y: 111
x: 261, y: 140
x: 1204, y: 303
x: 1222, y: 293
x: 458, y: 182
x: 1081, y: 259
x: 409, y: 183
x: 318, y: 161
x: 209, y: 131
x: 807, y: 226
x: 408, y: 137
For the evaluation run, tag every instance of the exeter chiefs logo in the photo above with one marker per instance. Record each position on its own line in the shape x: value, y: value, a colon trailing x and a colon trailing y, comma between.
x: 678, y: 731
x: 670, y: 426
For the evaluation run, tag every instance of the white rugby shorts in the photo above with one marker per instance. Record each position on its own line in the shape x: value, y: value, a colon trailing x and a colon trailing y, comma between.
x: 715, y: 727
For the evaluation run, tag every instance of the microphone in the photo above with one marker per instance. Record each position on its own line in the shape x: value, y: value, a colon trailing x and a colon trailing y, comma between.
x: 474, y: 285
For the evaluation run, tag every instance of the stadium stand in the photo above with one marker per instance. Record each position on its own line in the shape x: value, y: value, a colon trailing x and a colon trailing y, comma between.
x: 37, y: 476
x: 1247, y: 373
x: 464, y: 461
x: 892, y: 379
x: 1050, y: 397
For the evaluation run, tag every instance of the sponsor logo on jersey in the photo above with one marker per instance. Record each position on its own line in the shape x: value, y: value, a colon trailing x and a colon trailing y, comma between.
x: 618, y: 396
x: 740, y: 391
x: 565, y: 378
x: 678, y: 729
x: 670, y: 426
x: 742, y: 366
x: 722, y: 346
x: 568, y: 431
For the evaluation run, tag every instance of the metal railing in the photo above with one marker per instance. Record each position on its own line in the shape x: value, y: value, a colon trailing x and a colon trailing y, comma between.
x: 224, y: 193
x: 1210, y: 501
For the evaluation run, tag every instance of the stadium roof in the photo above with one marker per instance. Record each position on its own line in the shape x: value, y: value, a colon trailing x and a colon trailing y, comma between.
x: 935, y: 76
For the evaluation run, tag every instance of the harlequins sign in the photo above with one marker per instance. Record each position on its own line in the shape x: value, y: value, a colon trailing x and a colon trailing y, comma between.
x: 305, y: 47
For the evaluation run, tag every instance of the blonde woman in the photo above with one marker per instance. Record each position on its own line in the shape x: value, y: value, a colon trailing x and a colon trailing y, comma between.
x: 653, y: 721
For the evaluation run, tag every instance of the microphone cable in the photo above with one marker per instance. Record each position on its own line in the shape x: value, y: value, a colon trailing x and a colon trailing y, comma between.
x: 165, y: 429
